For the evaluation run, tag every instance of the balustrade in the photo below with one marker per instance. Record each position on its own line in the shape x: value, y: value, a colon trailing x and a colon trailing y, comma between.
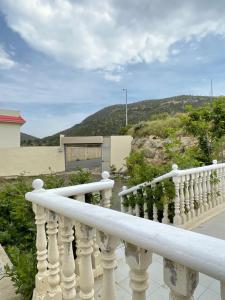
x: 199, y: 193
x: 64, y: 219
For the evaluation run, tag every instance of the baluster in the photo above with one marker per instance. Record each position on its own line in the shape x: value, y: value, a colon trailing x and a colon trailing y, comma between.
x: 201, y: 207
x: 223, y: 184
x: 106, y: 194
x: 80, y: 198
x: 145, y: 205
x: 41, y: 278
x: 215, y: 185
x: 108, y: 246
x: 181, y: 280
x: 138, y: 260
x: 60, y: 242
x: 68, y: 264
x: 85, y: 235
x: 123, y: 208
x: 177, y: 220
x: 182, y: 201
x: 187, y: 197
x: 165, y: 218
x: 204, y: 187
x: 209, y: 190
x: 219, y: 173
x: 155, y: 213
x: 196, y: 193
x: 192, y: 207
x: 222, y: 290
x: 136, y: 208
x: 55, y: 292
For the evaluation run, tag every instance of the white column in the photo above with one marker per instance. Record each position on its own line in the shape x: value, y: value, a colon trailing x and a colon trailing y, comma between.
x: 108, y: 246
x: 165, y: 219
x: 182, y: 200
x: 41, y: 278
x: 192, y: 208
x: 68, y: 264
x: 209, y: 190
x: 138, y: 260
x: 204, y: 187
x: 122, y: 207
x: 177, y: 220
x: 201, y: 206
x: 106, y: 194
x: 181, y: 280
x: 55, y: 292
x: 145, y: 206
x: 187, y: 197
x: 196, y: 192
x: 155, y: 213
x: 85, y: 235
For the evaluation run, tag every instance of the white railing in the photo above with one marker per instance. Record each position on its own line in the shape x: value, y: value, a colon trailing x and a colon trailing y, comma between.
x: 185, y: 253
x: 199, y: 194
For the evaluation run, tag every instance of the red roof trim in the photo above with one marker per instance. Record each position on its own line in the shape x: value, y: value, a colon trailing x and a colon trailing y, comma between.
x: 11, y: 119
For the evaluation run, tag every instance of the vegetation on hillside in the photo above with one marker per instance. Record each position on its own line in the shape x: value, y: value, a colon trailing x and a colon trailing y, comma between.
x: 111, y: 120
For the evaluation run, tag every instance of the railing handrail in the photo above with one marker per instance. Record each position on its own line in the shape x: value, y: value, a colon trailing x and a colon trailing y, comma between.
x: 174, y: 173
x: 196, y: 251
x: 75, y: 190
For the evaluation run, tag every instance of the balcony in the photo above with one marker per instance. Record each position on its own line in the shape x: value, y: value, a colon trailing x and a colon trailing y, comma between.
x: 87, y: 251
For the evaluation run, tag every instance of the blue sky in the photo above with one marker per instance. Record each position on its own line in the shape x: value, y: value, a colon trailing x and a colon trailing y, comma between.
x: 62, y: 60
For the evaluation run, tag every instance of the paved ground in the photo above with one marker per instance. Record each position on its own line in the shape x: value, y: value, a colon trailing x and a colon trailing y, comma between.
x: 87, y: 164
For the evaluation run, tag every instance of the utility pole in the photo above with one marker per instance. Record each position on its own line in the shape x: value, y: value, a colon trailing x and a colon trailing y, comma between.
x: 125, y: 90
x: 211, y: 94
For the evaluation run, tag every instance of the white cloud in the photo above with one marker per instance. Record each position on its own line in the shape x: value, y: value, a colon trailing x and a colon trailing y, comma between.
x: 112, y: 77
x: 5, y: 61
x: 100, y: 34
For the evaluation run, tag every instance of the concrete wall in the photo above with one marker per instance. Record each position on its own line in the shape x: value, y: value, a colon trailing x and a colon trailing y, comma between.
x: 31, y: 161
x: 9, y: 135
x: 82, y: 153
x: 120, y: 149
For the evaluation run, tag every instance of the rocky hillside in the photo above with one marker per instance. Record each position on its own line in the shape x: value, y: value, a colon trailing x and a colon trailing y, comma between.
x: 111, y: 119
x: 28, y: 140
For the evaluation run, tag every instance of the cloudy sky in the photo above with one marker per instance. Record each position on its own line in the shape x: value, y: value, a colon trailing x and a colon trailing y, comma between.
x: 61, y: 60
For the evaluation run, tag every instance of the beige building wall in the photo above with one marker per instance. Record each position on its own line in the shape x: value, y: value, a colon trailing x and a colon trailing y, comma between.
x: 9, y: 135
x: 120, y: 149
x: 31, y: 161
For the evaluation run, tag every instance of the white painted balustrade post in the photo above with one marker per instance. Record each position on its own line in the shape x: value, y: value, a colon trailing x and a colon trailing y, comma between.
x: 138, y: 260
x: 181, y: 280
x: 182, y: 199
x: 41, y: 278
x: 55, y: 292
x: 177, y: 220
x: 68, y: 264
x: 187, y: 197
x: 204, y: 187
x: 196, y: 193
x: 215, y: 185
x: 123, y: 208
x: 106, y: 194
x: 108, y: 246
x: 145, y: 204
x: 155, y: 213
x: 85, y: 235
x: 209, y: 189
x: 192, y: 206
x: 200, y: 182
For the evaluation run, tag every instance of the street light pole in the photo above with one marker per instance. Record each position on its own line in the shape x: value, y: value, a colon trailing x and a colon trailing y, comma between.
x: 125, y: 90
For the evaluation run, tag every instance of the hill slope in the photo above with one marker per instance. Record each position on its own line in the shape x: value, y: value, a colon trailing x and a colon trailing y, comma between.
x: 111, y: 119
x: 27, y: 139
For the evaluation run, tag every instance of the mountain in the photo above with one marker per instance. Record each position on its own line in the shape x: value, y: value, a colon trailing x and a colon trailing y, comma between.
x: 28, y: 140
x: 110, y: 120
